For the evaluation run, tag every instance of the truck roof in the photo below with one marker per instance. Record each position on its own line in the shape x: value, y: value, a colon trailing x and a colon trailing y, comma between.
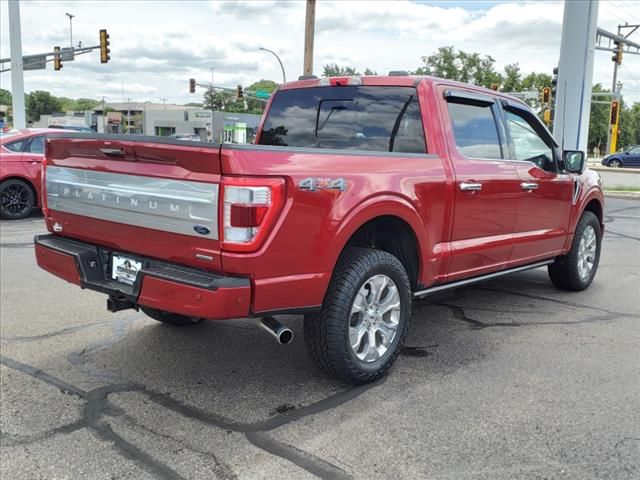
x: 390, y: 81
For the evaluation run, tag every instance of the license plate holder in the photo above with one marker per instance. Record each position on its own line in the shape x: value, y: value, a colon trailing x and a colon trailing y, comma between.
x: 125, y: 269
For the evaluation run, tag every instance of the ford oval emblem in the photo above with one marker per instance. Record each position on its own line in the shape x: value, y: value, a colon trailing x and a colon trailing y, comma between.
x: 201, y: 229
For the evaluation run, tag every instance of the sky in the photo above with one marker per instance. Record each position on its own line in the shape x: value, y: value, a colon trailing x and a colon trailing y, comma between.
x: 157, y: 45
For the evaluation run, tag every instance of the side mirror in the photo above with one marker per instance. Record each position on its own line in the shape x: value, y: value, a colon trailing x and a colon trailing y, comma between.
x: 574, y: 161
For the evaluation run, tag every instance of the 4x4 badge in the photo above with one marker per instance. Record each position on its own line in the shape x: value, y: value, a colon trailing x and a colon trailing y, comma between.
x: 313, y: 184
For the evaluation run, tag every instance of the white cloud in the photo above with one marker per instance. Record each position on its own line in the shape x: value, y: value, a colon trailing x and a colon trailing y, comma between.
x: 156, y: 46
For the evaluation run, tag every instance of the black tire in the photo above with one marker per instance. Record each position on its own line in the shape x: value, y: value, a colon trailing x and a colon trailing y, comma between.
x: 615, y: 163
x: 16, y: 199
x: 326, y: 334
x: 170, y: 318
x: 565, y: 272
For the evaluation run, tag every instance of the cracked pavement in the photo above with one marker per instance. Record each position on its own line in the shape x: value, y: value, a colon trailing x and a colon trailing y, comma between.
x: 511, y: 379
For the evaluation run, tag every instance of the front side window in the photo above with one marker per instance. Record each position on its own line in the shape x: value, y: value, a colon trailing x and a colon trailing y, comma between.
x: 527, y: 143
x: 37, y: 145
x: 384, y: 119
x: 475, y: 130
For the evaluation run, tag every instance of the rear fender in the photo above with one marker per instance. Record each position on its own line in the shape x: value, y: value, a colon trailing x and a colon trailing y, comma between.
x: 378, y: 206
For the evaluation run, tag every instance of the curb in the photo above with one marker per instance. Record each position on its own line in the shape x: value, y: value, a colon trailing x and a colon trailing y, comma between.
x: 614, y: 170
x: 623, y: 194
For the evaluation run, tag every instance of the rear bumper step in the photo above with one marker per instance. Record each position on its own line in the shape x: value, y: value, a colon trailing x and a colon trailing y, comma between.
x: 161, y: 285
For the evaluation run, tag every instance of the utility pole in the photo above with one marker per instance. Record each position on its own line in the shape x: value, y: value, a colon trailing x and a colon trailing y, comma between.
x: 212, y: 70
x: 309, y: 28
x: 17, y: 75
x: 575, y: 74
x: 70, y: 28
x: 104, y: 116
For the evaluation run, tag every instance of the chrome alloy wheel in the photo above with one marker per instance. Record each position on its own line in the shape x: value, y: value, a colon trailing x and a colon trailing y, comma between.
x: 587, y: 252
x: 374, y: 319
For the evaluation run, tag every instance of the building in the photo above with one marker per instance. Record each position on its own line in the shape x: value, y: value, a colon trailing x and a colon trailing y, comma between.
x: 161, y: 120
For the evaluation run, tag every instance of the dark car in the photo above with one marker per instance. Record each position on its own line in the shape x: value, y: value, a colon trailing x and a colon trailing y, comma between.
x: 628, y: 158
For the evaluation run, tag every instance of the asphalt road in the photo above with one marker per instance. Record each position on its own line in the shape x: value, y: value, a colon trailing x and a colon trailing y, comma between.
x: 509, y: 380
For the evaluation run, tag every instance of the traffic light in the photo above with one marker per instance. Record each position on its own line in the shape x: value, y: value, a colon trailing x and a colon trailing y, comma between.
x: 192, y: 85
x: 554, y: 83
x: 546, y: 95
x: 57, y: 61
x: 104, y: 47
x: 494, y: 87
x: 615, y: 112
x: 546, y: 116
x: 239, y: 93
x: 617, y: 57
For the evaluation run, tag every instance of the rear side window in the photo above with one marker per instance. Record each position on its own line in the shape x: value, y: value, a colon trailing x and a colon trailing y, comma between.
x: 15, y: 146
x: 383, y: 119
x: 475, y: 130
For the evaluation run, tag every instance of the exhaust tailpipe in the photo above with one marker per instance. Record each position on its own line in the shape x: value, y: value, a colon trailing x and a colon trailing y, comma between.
x: 273, y: 327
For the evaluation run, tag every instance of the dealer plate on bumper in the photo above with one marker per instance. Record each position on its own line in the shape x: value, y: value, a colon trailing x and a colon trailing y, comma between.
x: 124, y: 269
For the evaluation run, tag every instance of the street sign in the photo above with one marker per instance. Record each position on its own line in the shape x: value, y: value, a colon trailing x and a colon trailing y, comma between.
x: 262, y: 94
x: 67, y: 54
x: 34, y: 62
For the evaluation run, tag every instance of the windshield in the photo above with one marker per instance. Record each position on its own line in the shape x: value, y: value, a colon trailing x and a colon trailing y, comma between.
x: 385, y: 119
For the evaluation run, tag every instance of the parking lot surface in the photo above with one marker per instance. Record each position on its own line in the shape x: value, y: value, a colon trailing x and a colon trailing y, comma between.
x: 511, y: 379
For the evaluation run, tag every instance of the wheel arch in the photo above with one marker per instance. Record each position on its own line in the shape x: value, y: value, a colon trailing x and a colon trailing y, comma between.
x: 380, y: 223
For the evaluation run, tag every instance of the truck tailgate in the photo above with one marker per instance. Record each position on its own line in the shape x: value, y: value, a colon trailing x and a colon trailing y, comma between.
x: 146, y: 195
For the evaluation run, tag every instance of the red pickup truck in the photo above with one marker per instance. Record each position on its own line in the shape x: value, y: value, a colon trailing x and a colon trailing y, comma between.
x: 360, y: 194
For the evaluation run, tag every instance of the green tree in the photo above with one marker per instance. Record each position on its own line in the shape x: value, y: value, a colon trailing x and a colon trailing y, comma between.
x: 82, y: 104
x: 461, y: 66
x: 629, y: 131
x: 5, y: 97
x: 39, y: 103
x: 257, y: 106
x: 335, y: 70
x: 598, y: 122
x: 512, y: 78
x: 222, y: 100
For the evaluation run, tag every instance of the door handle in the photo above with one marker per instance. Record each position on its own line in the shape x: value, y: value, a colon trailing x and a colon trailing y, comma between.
x: 470, y: 187
x: 113, y: 152
x: 528, y: 186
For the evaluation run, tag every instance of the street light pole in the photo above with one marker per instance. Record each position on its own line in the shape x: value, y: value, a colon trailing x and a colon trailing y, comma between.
x: 284, y: 75
x: 70, y: 27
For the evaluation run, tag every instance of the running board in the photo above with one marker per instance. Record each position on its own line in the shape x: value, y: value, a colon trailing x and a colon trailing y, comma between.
x: 470, y: 281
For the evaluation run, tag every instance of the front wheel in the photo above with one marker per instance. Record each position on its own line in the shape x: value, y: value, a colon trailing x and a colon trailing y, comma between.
x: 16, y: 199
x: 170, y: 318
x: 364, y: 319
x: 576, y: 270
x: 615, y: 164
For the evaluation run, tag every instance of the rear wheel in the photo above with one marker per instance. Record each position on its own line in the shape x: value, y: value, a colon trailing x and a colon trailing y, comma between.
x: 170, y: 318
x: 615, y: 163
x: 16, y: 199
x: 364, y: 318
x: 576, y: 270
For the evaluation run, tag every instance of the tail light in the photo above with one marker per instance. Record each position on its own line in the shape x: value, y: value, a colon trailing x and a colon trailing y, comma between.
x: 44, y: 204
x: 249, y: 208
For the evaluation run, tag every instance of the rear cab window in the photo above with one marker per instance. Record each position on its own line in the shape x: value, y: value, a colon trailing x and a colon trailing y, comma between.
x: 370, y: 118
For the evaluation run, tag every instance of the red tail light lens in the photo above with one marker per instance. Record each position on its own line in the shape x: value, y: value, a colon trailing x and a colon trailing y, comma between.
x: 249, y: 207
